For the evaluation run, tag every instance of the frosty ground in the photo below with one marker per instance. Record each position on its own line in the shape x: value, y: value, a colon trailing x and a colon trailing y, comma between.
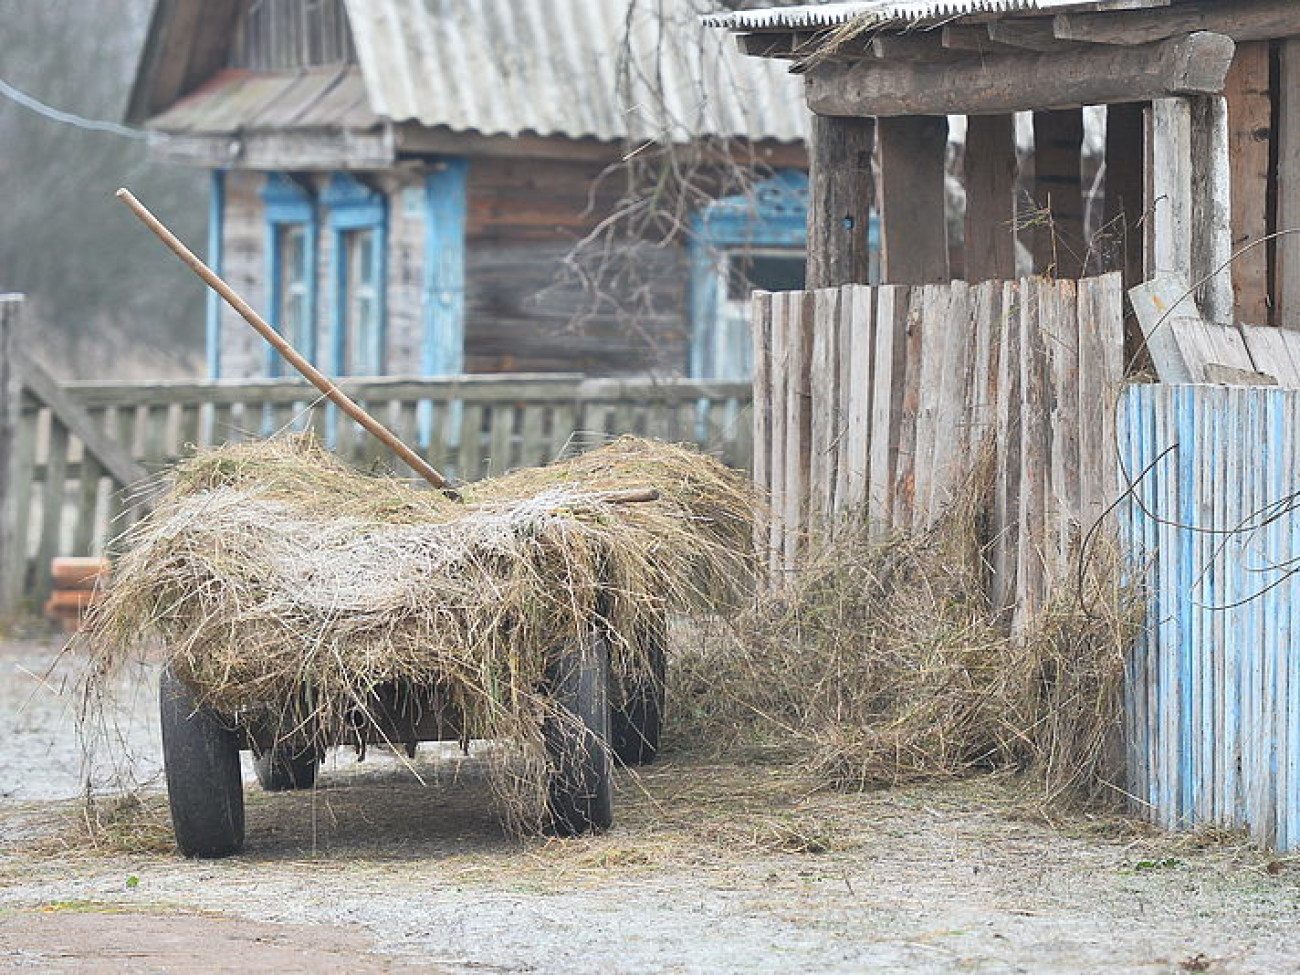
x: 713, y: 866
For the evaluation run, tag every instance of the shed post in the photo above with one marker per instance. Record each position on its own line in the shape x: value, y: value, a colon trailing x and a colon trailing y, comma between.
x: 1169, y: 188
x: 12, y: 551
x: 841, y: 193
x: 1189, y: 231
x: 1059, y: 242
x: 1288, y: 187
x: 1211, y: 209
x: 990, y: 170
x: 1122, y: 222
x: 913, y: 227
x: 1250, y: 108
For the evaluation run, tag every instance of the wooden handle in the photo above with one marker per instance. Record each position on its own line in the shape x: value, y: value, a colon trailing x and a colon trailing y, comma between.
x: 291, y: 355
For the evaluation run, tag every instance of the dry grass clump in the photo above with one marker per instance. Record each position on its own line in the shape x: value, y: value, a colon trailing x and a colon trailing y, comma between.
x: 882, y: 662
x: 283, y: 582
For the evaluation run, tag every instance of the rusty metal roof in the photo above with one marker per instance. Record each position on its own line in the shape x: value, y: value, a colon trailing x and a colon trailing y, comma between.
x: 604, y: 69
x: 900, y: 13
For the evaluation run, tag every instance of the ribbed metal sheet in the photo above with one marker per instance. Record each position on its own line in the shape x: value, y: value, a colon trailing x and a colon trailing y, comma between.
x: 246, y: 101
x: 1213, y: 691
x: 885, y: 12
x: 605, y: 69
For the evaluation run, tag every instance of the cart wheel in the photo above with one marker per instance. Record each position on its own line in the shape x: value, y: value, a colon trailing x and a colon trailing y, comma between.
x: 581, y: 795
x: 280, y: 769
x: 637, y: 716
x: 204, y: 787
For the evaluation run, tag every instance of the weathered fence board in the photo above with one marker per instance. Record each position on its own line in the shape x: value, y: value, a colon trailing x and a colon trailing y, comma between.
x: 1214, y: 688
x: 904, y: 388
x: 82, y: 451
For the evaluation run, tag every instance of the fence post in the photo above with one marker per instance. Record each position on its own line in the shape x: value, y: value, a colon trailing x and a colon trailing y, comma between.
x: 12, y: 550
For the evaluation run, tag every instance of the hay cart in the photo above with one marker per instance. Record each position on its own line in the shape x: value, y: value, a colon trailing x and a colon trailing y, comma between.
x: 594, y: 713
x: 596, y: 719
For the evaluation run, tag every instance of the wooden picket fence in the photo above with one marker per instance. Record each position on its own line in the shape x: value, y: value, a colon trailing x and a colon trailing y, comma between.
x: 876, y: 402
x: 82, y: 454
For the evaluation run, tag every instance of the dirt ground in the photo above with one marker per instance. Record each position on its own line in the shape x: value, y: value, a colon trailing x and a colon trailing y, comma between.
x: 710, y: 868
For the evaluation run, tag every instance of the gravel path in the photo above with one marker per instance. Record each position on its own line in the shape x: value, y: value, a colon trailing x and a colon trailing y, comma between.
x: 710, y: 868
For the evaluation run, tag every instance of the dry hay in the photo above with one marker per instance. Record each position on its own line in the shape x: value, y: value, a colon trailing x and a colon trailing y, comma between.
x: 881, y: 662
x: 286, y: 584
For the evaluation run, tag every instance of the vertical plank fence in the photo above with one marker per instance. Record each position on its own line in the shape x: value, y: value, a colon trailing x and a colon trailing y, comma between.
x: 83, y: 452
x: 877, y: 402
x: 1214, y: 702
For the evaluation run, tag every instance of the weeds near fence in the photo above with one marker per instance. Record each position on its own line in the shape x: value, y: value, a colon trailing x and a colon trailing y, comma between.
x: 884, y: 663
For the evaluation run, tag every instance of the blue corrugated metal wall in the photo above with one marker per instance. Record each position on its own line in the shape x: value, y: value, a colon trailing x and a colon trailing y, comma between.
x: 1214, y: 688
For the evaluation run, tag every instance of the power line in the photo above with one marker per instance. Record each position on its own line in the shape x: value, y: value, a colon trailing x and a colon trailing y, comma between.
x: 67, y: 118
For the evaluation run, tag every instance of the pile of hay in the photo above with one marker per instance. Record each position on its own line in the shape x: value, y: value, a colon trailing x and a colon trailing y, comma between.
x: 882, y: 662
x: 275, y: 575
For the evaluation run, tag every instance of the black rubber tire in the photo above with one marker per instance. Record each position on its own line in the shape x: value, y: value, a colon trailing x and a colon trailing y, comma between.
x: 281, y: 769
x: 205, y: 788
x: 581, y: 792
x: 637, y: 716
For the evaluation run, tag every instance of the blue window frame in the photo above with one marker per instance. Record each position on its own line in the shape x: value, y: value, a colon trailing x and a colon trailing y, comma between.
x: 357, y: 217
x: 752, y: 240
x: 291, y: 234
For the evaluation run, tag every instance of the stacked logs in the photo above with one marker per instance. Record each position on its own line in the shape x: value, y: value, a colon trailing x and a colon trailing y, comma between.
x: 79, y: 584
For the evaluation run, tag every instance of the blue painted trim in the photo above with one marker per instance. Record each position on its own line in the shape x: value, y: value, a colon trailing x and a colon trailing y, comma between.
x: 351, y: 205
x: 446, y: 216
x: 287, y: 202
x: 216, y: 238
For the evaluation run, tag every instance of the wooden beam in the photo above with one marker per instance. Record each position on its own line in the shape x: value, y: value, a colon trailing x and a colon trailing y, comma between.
x: 1121, y: 244
x: 841, y: 194
x: 1288, y: 187
x: 990, y: 170
x: 913, y: 224
x: 916, y: 46
x: 1242, y: 20
x: 1059, y: 242
x: 1169, y: 189
x: 1193, y: 64
x: 116, y: 459
x: 1250, y: 108
x: 1211, y: 206
x: 972, y: 40
x: 1028, y: 35
x: 13, y: 551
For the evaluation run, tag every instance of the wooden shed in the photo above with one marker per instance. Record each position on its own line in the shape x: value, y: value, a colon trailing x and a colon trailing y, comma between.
x: 881, y: 399
x: 1202, y: 137
x: 398, y: 183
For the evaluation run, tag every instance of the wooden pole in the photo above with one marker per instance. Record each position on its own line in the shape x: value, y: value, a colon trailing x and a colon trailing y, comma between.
x: 13, y: 554
x: 291, y: 355
x: 841, y: 192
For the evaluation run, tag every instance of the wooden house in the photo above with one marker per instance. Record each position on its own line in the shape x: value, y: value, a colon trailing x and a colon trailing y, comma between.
x: 399, y: 182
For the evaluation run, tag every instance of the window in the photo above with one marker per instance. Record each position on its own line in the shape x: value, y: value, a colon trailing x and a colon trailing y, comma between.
x: 754, y: 240
x: 357, y: 217
x: 294, y: 285
x: 291, y: 230
x: 362, y: 355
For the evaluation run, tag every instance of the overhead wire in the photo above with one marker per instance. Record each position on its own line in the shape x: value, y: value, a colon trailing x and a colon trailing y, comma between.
x: 37, y: 106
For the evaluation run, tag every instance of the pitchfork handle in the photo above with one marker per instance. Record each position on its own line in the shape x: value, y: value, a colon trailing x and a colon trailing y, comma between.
x: 291, y: 355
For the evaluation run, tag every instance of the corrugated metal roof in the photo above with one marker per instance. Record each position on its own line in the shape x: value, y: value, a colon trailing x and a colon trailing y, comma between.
x: 232, y: 101
x: 605, y: 69
x: 900, y: 12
